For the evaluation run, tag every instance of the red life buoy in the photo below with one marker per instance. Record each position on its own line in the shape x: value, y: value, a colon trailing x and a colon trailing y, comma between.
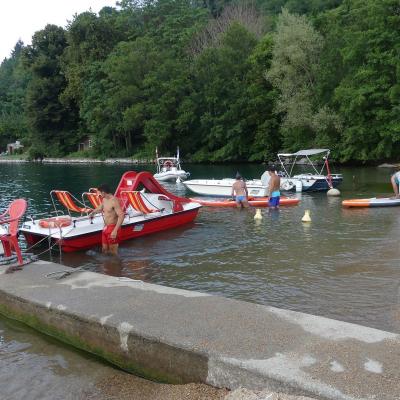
x: 168, y: 164
x: 56, y: 222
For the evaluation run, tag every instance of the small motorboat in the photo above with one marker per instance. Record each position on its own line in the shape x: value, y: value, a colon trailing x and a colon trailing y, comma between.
x: 169, y: 169
x: 314, y: 181
x: 372, y: 202
x: 254, y: 202
x: 223, y: 187
x: 150, y: 210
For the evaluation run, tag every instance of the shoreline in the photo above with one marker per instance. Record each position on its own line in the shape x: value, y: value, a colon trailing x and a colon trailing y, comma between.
x: 130, y: 161
x: 78, y: 161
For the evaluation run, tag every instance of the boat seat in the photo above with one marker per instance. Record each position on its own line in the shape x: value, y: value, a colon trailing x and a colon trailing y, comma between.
x: 70, y: 202
x: 93, y: 197
x: 136, y: 201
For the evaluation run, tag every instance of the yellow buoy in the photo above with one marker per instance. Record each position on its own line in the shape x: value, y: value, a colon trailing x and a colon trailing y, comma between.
x: 306, y: 217
x: 258, y: 214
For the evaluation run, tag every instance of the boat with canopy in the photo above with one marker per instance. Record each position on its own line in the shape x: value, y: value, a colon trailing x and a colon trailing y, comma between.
x: 314, y: 181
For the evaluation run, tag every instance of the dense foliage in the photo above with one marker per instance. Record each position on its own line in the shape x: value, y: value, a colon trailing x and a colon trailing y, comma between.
x: 224, y: 80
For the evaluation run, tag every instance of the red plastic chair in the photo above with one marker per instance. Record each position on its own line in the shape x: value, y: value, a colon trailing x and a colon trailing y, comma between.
x: 11, y: 218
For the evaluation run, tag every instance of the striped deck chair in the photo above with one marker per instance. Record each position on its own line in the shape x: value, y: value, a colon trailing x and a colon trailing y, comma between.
x: 135, y: 200
x: 94, y: 198
x: 69, y: 201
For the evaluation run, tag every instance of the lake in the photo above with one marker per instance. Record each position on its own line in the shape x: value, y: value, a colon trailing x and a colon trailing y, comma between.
x: 343, y: 265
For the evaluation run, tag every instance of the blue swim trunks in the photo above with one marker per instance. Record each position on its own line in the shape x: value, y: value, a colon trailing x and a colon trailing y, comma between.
x: 274, y: 199
x: 239, y: 199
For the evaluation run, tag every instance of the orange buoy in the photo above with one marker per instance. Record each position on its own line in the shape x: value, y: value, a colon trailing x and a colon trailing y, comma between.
x: 56, y: 222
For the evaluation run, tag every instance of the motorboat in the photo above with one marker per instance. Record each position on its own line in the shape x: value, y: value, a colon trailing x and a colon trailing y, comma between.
x: 313, y: 181
x: 169, y: 169
x: 223, y: 187
x: 149, y: 208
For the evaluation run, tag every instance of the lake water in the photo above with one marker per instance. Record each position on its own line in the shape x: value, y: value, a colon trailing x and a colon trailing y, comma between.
x: 345, y: 264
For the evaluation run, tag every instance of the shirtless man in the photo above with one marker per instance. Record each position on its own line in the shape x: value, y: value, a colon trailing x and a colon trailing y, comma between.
x: 274, y: 188
x: 113, y: 219
x: 395, y: 179
x: 239, y: 192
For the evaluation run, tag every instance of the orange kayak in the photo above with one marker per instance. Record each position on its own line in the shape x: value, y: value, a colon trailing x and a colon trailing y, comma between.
x: 255, y: 202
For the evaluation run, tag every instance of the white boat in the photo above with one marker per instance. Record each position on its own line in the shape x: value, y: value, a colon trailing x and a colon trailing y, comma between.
x: 223, y: 187
x: 169, y: 169
x: 313, y: 181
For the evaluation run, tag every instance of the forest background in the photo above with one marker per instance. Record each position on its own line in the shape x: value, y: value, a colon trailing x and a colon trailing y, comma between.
x: 224, y: 80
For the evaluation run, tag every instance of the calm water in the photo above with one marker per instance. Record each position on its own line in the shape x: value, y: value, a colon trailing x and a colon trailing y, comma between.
x: 344, y: 265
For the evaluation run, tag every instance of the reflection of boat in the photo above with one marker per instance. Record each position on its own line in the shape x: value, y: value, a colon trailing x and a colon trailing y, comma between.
x: 373, y: 202
x: 169, y: 169
x: 307, y: 182
x: 151, y: 210
x: 257, y: 202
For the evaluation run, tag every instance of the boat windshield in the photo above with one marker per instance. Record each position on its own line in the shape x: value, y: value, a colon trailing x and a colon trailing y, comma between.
x: 167, y: 163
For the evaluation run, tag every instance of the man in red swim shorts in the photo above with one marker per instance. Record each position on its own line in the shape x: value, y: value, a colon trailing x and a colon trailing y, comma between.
x: 113, y: 219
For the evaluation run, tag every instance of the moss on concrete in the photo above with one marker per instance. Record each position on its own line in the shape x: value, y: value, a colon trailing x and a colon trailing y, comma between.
x: 75, y: 341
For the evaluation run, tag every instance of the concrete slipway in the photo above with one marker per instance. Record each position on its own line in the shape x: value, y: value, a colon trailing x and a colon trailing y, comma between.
x: 175, y: 335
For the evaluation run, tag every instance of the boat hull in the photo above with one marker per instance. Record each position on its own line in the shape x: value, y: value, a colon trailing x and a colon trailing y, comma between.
x: 313, y: 183
x: 373, y: 202
x: 223, y: 187
x: 128, y: 231
x: 259, y: 202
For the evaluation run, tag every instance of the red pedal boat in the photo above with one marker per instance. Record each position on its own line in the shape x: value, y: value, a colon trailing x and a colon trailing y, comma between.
x: 255, y: 202
x: 150, y: 210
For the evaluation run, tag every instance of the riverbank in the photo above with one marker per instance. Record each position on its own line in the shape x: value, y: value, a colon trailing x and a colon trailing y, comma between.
x: 131, y: 161
x: 181, y: 336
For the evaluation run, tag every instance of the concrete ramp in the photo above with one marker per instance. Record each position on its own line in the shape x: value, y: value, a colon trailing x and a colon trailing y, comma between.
x: 180, y: 336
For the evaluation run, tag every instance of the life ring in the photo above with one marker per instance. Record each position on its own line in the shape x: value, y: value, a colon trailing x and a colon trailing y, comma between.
x: 56, y: 222
x: 168, y: 164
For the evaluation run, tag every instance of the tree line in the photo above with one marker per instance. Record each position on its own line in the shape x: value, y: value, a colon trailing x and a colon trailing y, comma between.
x: 225, y: 80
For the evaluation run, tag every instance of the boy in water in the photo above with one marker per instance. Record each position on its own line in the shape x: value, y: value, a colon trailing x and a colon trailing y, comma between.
x: 274, y: 188
x: 113, y: 219
x: 239, y: 192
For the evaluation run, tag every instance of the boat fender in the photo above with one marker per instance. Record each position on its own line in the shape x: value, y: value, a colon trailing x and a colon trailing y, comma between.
x: 177, y: 206
x: 56, y: 222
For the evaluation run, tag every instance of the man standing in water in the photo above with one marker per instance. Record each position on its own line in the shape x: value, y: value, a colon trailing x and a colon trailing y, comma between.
x: 113, y: 219
x: 274, y: 188
x: 395, y: 179
x: 239, y: 192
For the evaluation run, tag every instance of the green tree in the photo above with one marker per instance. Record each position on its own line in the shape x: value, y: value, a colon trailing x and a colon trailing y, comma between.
x: 295, y: 71
x: 366, y: 40
x: 13, y: 83
x: 52, y: 123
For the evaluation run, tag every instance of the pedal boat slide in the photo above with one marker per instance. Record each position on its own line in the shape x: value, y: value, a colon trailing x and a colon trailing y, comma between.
x: 147, y: 211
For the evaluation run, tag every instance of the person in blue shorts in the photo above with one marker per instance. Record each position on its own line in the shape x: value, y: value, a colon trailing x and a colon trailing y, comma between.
x: 395, y: 179
x: 274, y: 187
x: 239, y: 192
